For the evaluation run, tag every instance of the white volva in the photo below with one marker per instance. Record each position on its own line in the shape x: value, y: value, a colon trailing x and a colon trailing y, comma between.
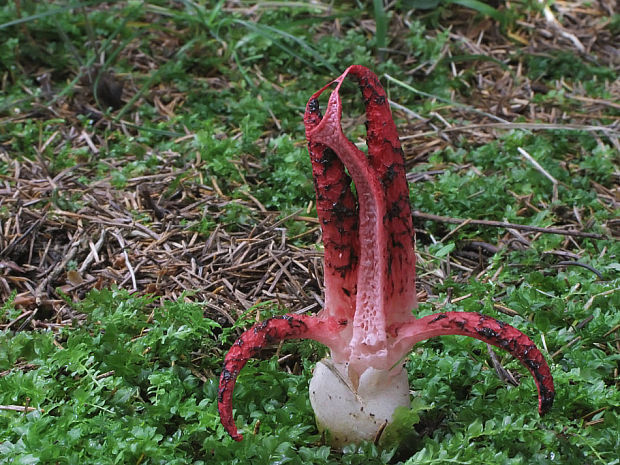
x: 354, y: 415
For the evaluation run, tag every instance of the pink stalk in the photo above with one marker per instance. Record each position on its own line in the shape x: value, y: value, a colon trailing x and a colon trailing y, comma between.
x: 369, y: 267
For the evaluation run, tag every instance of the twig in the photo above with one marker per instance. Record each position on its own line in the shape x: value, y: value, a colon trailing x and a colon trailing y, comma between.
x: 503, y: 224
x: 407, y: 111
x: 50, y: 278
x: 502, y: 373
x: 18, y: 408
x: 584, y: 322
x: 505, y: 310
x: 463, y: 224
x: 217, y: 187
x: 121, y: 242
x: 11, y: 323
x: 478, y: 245
x: 7, y: 250
x: 94, y: 251
x: 260, y: 206
x: 540, y: 169
x: 145, y: 195
x: 583, y: 265
x: 608, y: 130
x: 463, y: 297
x: 590, y: 301
x: 565, y: 346
x: 555, y: 24
x: 615, y: 328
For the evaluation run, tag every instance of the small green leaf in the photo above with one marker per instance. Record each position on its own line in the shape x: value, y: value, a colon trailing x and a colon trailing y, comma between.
x: 475, y: 428
x: 403, y: 422
x: 445, y: 250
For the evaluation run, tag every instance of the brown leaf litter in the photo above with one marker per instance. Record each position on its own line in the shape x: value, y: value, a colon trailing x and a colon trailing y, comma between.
x: 62, y: 236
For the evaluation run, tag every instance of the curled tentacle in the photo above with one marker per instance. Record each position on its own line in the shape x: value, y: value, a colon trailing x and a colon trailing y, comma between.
x: 262, y: 335
x: 488, y: 330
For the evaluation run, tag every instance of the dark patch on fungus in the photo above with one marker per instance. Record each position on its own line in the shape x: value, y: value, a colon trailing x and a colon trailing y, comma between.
x: 313, y: 105
x: 488, y: 333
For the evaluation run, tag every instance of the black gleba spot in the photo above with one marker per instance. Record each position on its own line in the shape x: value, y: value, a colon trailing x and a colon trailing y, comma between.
x: 313, y: 105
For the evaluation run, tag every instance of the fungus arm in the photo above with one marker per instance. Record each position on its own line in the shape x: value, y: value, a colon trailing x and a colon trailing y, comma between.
x: 488, y: 330
x: 262, y: 335
x: 382, y: 253
x: 337, y: 210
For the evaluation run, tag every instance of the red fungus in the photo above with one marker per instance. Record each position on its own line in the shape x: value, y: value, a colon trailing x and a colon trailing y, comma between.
x: 369, y: 269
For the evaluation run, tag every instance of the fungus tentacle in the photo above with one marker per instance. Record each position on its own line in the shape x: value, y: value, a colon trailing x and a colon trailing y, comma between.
x: 259, y: 336
x: 488, y: 330
x: 336, y: 208
x: 386, y: 267
x: 385, y: 157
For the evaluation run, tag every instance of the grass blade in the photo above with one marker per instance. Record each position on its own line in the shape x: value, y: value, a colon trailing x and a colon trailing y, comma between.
x: 482, y: 8
x: 271, y: 32
x: 381, y: 23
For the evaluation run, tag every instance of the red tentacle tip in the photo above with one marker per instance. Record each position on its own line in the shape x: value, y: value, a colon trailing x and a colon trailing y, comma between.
x: 248, y: 345
x: 546, y: 389
x: 224, y: 402
x: 545, y: 402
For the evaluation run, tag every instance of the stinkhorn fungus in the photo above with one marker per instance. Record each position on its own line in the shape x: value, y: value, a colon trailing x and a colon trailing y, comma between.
x: 367, y: 321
